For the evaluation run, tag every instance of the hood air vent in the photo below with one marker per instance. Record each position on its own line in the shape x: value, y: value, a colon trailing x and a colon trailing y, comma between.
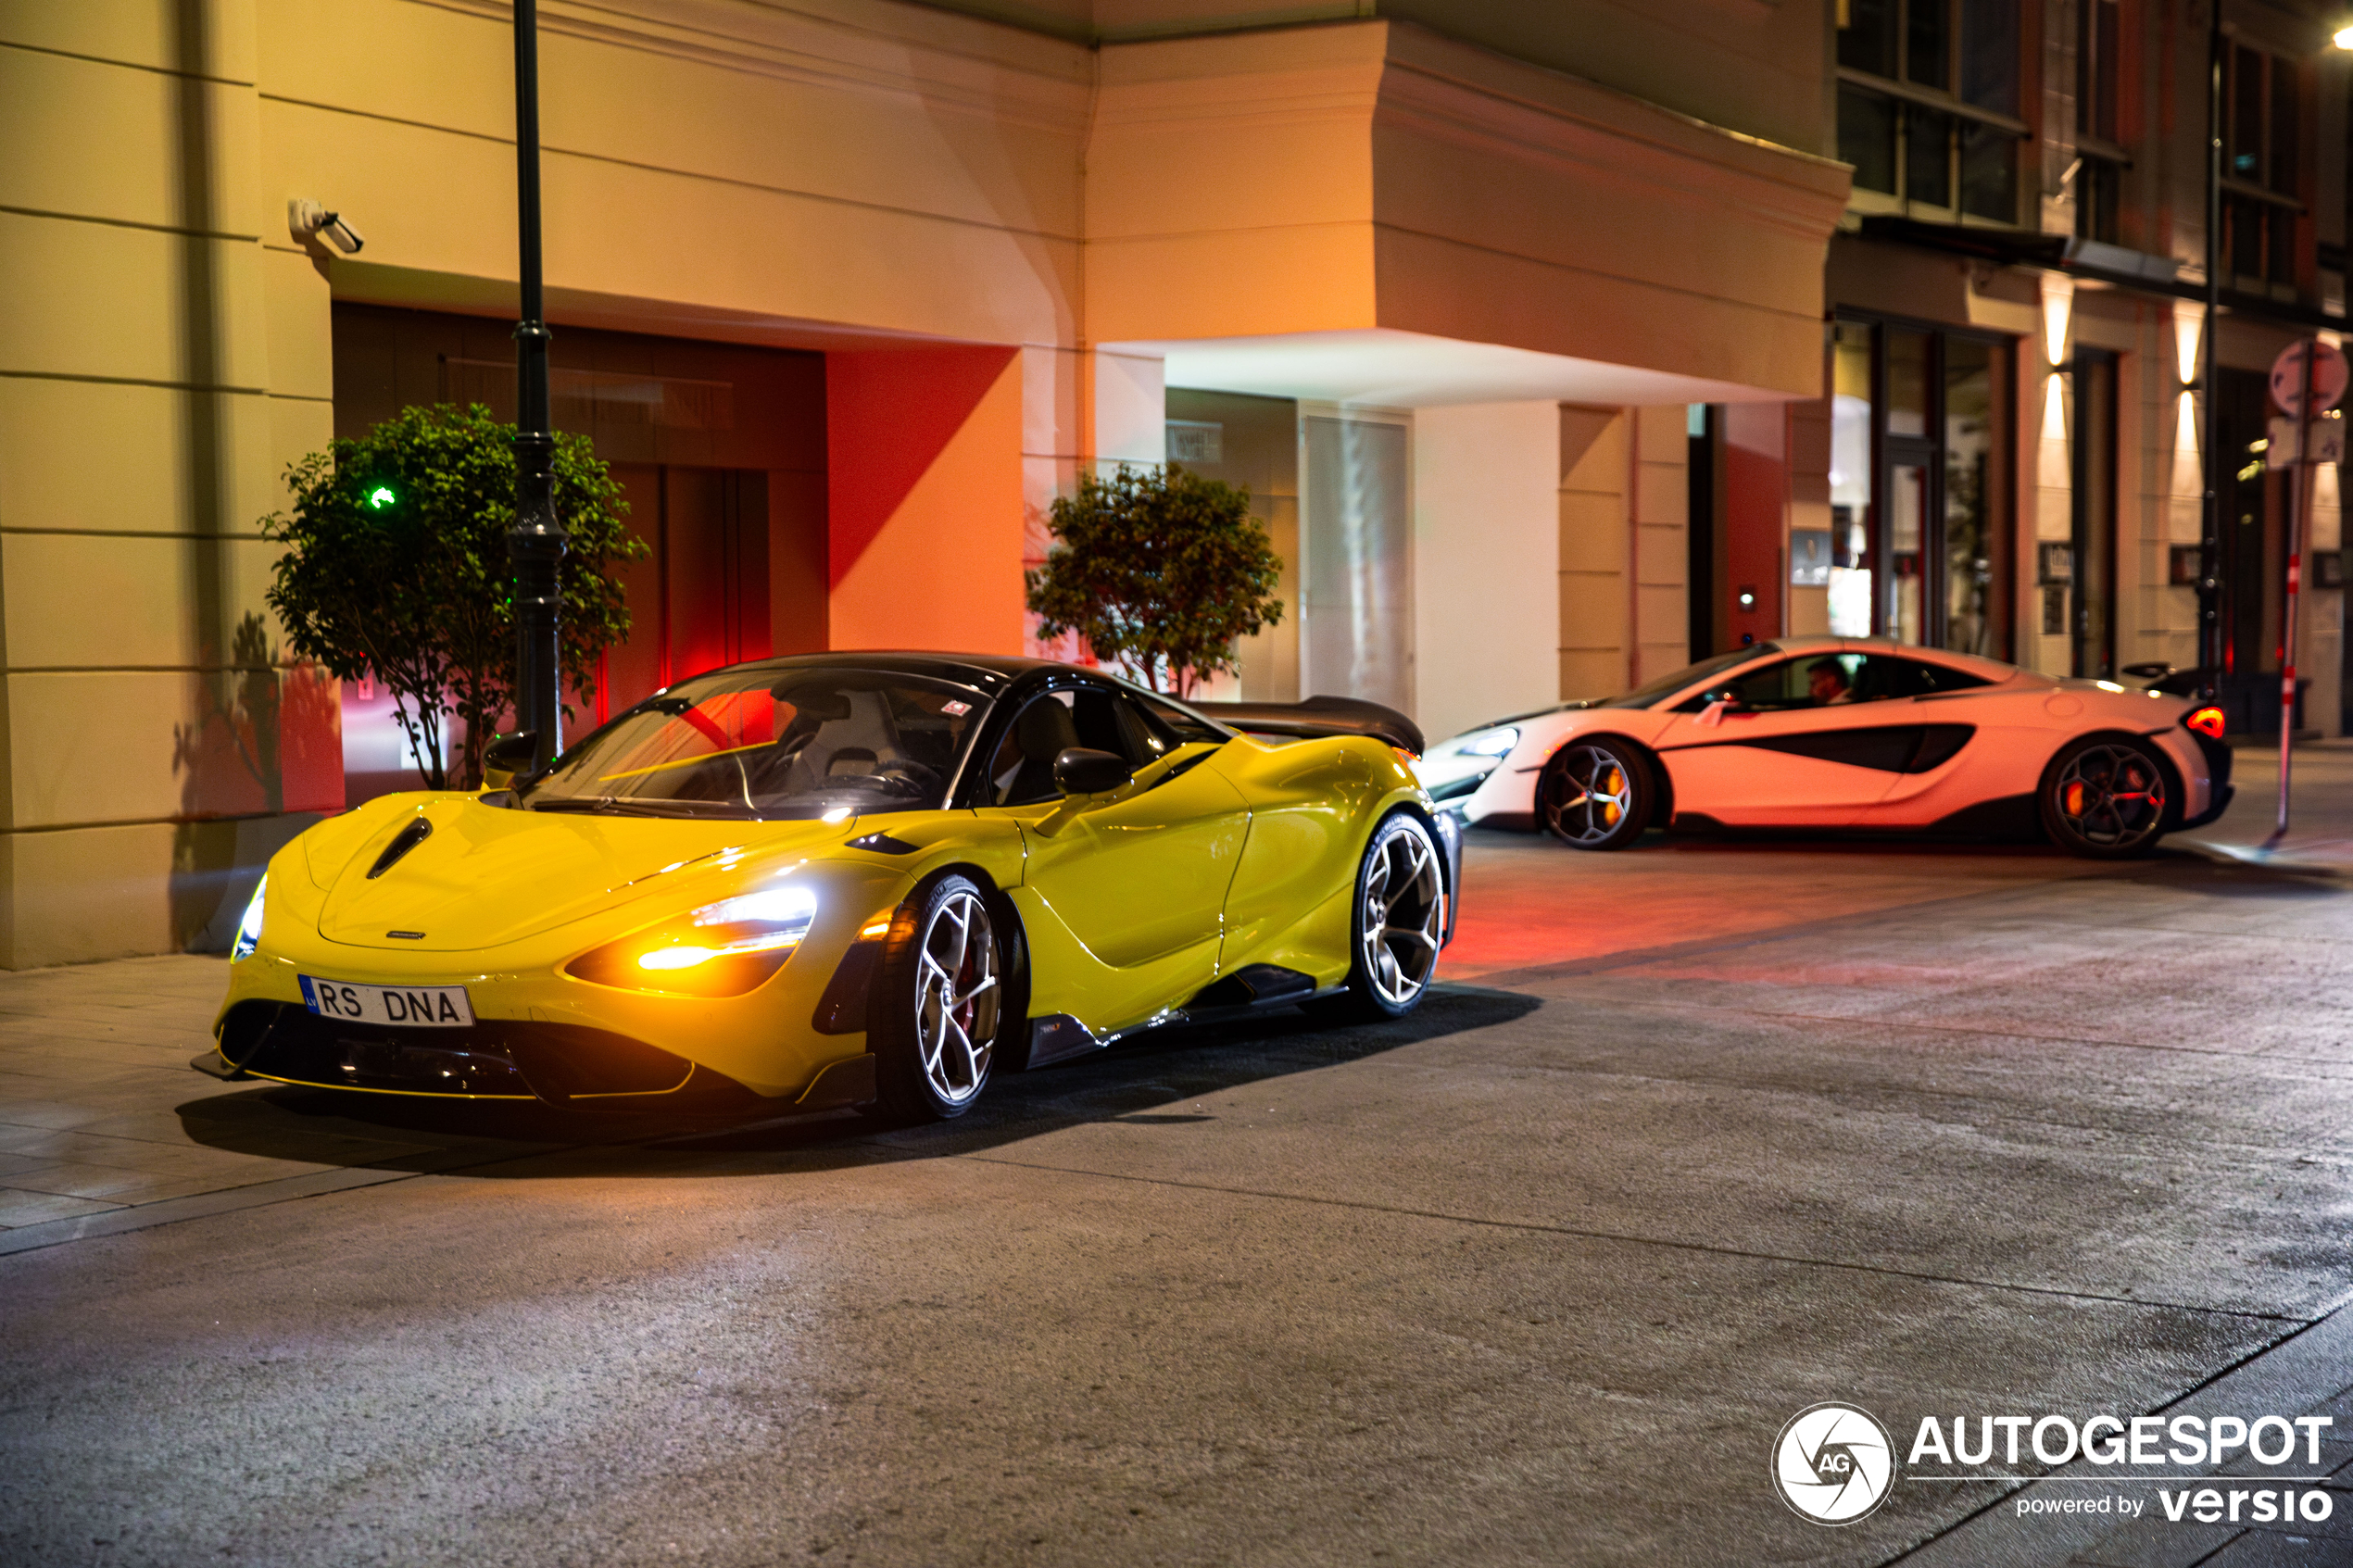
x: 407, y: 838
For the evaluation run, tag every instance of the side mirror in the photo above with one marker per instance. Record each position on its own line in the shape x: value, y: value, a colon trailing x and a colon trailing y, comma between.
x: 507, y: 756
x: 1078, y: 770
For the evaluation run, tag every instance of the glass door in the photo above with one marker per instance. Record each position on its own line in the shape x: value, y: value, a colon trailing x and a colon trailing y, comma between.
x: 1910, y: 473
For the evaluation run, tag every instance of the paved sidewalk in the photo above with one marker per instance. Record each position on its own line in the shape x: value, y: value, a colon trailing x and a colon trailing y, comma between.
x: 104, y: 1127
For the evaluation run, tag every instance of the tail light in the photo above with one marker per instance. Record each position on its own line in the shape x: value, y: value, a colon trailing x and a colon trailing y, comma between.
x: 2207, y: 722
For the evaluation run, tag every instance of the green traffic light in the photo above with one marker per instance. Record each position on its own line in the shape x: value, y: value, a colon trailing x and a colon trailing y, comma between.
x: 381, y: 498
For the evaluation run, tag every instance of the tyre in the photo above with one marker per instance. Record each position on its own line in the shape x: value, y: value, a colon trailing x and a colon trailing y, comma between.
x: 1397, y: 924
x: 2105, y: 796
x: 937, y: 1008
x: 1595, y: 795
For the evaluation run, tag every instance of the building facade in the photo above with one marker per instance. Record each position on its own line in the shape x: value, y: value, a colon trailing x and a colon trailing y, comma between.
x: 849, y: 291
x: 2013, y: 446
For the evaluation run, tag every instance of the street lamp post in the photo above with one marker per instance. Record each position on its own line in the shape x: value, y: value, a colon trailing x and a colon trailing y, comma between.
x: 2209, y: 553
x: 535, y: 545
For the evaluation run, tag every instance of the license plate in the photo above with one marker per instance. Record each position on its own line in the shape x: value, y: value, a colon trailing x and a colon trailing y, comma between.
x: 413, y: 1007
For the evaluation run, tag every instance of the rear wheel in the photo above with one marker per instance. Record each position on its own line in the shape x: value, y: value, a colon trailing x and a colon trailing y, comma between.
x: 1397, y: 927
x: 1595, y: 795
x: 937, y: 1005
x: 2105, y: 796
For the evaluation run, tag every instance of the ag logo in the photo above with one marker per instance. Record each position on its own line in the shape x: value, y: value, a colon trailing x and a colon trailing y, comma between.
x: 1833, y: 1463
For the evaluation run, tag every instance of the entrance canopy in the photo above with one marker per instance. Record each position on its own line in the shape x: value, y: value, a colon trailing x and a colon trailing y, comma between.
x: 1401, y: 369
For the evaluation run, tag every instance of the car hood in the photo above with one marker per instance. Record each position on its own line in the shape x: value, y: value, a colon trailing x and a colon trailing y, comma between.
x: 484, y: 876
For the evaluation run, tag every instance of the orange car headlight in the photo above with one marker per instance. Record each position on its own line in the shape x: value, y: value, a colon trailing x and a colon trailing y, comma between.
x: 721, y: 949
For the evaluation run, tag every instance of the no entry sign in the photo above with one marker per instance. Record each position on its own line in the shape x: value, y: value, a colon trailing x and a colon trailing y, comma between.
x: 2287, y: 377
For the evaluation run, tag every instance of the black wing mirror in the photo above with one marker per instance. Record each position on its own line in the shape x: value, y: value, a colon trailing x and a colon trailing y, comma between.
x: 1078, y: 770
x: 507, y: 756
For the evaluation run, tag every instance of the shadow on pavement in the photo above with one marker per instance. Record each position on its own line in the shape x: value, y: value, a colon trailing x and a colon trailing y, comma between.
x: 1147, y: 1081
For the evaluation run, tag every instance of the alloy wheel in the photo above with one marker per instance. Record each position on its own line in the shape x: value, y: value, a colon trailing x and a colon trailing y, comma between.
x: 1586, y: 794
x: 2111, y: 796
x: 1403, y: 917
x: 957, y: 997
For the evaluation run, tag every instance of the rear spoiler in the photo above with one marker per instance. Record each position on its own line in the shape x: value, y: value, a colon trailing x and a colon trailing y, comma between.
x: 1316, y: 719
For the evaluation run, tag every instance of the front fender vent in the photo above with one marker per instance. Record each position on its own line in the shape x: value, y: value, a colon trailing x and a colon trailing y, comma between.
x: 407, y: 838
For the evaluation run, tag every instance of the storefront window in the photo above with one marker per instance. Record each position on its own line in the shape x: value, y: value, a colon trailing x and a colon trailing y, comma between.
x: 1851, y: 473
x: 1919, y: 520
x: 1970, y: 545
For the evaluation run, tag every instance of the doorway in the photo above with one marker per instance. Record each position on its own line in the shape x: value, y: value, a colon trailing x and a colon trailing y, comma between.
x: 2092, y: 623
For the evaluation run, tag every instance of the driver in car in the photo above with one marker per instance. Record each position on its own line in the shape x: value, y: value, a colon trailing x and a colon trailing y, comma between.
x: 1828, y: 683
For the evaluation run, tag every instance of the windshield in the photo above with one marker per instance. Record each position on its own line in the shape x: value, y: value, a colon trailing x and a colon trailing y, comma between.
x: 762, y: 742
x: 1691, y: 674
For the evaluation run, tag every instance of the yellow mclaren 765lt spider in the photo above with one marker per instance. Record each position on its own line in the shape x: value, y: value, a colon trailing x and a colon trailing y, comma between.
x: 864, y: 879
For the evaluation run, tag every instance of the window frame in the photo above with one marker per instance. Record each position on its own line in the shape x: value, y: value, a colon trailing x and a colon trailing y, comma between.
x: 1915, y: 103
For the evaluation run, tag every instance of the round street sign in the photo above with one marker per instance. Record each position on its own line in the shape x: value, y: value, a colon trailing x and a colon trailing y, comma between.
x: 2287, y: 378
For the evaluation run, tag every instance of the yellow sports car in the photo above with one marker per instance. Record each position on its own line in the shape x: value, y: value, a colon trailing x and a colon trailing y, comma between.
x: 847, y: 879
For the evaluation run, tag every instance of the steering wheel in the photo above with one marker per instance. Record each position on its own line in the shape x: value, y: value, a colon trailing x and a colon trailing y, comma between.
x: 905, y: 777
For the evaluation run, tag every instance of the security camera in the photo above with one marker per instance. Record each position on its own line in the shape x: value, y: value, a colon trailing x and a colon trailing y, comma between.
x: 307, y: 218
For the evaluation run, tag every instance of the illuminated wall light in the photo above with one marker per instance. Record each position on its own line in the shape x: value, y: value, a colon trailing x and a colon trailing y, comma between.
x: 2185, y: 425
x: 2054, y: 409
x: 2187, y: 320
x: 2058, y: 302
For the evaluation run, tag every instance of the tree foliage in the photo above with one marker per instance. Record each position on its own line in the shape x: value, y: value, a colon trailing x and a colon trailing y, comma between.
x: 395, y: 565
x: 1159, y: 569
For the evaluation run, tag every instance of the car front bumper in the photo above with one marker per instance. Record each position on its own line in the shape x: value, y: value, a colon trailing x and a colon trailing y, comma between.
x: 539, y: 1033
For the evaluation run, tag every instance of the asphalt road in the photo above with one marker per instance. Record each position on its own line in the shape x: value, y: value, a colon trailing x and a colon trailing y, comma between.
x: 1697, y: 1135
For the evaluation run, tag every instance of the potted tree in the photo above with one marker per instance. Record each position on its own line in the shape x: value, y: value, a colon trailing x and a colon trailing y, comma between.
x: 395, y: 566
x: 1159, y: 570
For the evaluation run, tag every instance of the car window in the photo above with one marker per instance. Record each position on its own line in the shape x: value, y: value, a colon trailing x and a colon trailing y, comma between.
x: 761, y: 742
x: 1176, y: 726
x: 1022, y: 771
x: 1915, y: 677
x: 1828, y: 680
x: 1667, y: 686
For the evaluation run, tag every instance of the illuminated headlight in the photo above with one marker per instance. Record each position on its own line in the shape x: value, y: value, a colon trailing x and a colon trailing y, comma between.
x: 721, y: 949
x: 754, y: 923
x: 1490, y: 743
x: 249, y: 928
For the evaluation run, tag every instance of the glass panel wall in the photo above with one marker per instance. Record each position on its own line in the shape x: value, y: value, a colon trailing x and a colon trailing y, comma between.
x: 1919, y: 462
x: 1356, y: 609
x: 1852, y: 471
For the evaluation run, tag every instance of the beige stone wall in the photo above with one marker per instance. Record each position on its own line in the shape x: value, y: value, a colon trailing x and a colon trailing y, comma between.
x: 1660, y: 512
x: 1596, y: 471
x: 160, y: 365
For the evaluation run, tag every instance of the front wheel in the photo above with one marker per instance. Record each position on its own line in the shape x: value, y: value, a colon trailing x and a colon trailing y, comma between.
x: 2104, y: 797
x: 1398, y: 924
x: 938, y: 1003
x: 1595, y: 795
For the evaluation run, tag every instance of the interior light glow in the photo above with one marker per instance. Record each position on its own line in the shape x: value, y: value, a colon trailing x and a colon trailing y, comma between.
x: 2207, y: 722
x: 249, y: 928
x: 2343, y: 37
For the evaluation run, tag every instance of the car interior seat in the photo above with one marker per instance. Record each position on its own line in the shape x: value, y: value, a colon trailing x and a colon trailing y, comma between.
x: 1042, y: 732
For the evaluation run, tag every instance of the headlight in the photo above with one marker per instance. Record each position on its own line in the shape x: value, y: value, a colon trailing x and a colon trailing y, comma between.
x: 249, y: 928
x: 1490, y: 743
x: 721, y: 949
